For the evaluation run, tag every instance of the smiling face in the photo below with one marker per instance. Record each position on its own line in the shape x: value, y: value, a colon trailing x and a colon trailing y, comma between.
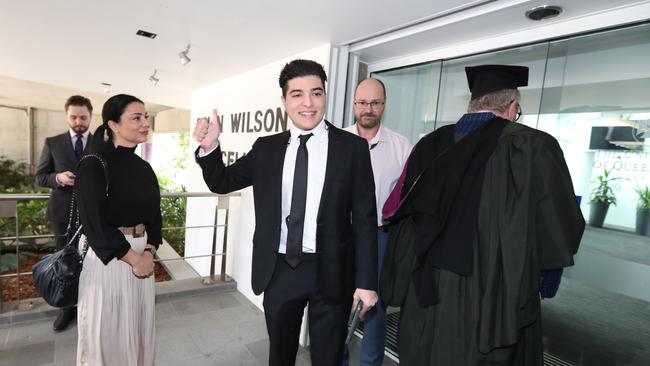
x: 133, y: 127
x: 305, y: 101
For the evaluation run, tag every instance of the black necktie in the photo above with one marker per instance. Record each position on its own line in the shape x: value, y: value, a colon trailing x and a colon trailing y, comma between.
x: 296, y: 218
x: 79, y: 146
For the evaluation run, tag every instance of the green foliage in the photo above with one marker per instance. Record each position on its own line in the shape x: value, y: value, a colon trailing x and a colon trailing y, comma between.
x: 173, y: 211
x: 182, y: 139
x: 604, y: 190
x: 8, y: 260
x: 644, y: 197
x: 15, y: 178
x: 14, y: 175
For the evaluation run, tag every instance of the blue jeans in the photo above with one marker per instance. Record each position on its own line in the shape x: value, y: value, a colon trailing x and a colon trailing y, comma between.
x: 374, y: 329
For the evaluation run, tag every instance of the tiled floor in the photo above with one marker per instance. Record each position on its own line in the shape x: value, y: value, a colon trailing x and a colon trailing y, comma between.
x: 216, y: 328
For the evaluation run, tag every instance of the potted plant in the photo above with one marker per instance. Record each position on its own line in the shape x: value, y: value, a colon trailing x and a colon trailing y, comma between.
x: 601, y: 197
x: 643, y: 211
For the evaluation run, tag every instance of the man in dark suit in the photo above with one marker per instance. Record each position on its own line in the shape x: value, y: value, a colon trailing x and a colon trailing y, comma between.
x: 315, y: 240
x: 56, y: 170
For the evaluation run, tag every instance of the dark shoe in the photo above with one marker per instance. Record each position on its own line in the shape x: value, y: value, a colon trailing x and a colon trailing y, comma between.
x: 64, y: 318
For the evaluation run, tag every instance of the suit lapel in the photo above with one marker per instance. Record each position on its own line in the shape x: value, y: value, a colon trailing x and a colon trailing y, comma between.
x: 65, y: 144
x: 276, y: 167
x: 334, y: 156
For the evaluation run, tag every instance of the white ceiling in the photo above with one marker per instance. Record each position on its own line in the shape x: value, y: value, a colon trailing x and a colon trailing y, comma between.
x: 82, y: 43
x: 78, y: 44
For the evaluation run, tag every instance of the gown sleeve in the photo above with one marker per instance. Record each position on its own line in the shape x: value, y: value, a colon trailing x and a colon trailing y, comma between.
x: 560, y: 223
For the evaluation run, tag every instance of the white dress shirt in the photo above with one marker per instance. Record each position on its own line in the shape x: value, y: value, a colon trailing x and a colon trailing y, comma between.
x: 388, y: 153
x: 317, y: 147
x: 73, y: 138
x: 84, y: 137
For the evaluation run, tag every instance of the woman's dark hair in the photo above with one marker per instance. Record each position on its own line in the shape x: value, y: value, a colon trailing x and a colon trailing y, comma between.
x: 112, y: 111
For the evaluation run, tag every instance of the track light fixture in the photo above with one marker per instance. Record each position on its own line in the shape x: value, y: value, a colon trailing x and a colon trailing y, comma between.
x: 154, y: 80
x: 183, y: 56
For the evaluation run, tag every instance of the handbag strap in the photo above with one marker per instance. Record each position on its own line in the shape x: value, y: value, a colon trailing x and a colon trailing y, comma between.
x: 73, y: 217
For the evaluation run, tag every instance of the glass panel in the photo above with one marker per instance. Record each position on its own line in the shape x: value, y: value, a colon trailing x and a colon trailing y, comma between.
x: 411, y: 96
x: 591, y: 93
x: 595, y: 102
x: 454, y: 96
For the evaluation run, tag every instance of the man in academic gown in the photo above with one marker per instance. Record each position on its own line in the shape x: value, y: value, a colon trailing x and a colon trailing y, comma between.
x: 485, y: 206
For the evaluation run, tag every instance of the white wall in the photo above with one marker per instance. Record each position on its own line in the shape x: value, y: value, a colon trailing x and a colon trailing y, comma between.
x: 255, y: 94
x: 14, y: 124
x: 14, y: 140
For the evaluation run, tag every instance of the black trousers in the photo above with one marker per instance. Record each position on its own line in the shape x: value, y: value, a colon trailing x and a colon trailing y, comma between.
x: 289, y: 291
x: 59, y: 231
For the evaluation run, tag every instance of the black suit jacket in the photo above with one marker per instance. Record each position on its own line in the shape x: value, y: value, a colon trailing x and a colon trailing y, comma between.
x: 58, y: 156
x: 346, y: 234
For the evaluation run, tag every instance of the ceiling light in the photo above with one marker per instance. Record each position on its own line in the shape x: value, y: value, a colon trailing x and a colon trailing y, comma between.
x: 145, y: 34
x: 154, y: 80
x: 544, y: 12
x: 183, y: 56
x: 107, y: 87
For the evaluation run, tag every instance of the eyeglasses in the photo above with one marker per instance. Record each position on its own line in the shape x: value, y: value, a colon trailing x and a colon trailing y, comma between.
x: 518, y: 114
x: 373, y: 105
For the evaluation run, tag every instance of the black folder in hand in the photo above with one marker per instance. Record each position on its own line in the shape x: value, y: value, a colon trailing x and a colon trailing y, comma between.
x: 355, y: 322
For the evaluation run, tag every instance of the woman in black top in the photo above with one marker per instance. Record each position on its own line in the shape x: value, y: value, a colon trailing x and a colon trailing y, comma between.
x: 123, y: 229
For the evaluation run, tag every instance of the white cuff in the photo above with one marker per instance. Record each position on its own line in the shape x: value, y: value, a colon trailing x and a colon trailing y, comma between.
x: 203, y: 153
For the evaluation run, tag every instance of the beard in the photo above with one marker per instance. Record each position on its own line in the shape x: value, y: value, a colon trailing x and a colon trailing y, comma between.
x: 80, y: 128
x: 368, y: 120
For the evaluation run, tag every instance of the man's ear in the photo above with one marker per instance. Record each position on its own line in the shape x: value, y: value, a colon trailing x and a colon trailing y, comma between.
x: 512, y: 110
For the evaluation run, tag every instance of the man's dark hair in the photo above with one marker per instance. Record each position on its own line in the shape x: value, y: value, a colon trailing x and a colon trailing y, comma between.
x: 79, y: 101
x: 298, y: 68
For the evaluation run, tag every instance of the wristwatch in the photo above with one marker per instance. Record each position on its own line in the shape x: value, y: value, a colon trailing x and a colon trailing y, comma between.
x: 152, y: 250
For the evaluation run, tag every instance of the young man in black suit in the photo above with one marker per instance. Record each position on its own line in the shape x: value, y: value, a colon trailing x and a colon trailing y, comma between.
x: 56, y: 170
x: 315, y: 240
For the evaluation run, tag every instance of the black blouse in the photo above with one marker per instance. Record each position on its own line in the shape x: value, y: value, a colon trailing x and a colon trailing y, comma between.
x: 133, y: 198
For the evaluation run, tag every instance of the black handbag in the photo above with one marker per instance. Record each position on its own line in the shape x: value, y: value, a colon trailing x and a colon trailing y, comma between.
x: 56, y: 276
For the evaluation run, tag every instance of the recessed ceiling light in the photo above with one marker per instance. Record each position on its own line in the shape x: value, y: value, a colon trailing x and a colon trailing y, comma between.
x: 144, y: 33
x: 544, y: 12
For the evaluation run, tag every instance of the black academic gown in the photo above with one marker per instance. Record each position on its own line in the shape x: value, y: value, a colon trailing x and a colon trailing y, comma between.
x: 528, y: 221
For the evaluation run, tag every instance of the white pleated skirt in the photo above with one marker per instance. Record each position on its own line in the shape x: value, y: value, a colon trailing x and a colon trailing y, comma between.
x: 116, y: 317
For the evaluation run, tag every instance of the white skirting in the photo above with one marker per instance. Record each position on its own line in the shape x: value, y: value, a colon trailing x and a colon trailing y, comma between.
x: 116, y: 316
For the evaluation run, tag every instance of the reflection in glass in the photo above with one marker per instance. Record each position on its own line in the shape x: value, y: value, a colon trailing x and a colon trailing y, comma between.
x: 591, y: 93
x: 411, y: 97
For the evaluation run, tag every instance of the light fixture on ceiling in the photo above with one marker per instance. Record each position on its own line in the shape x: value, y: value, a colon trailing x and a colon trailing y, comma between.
x: 107, y: 87
x: 154, y: 80
x: 144, y: 33
x: 544, y: 12
x: 183, y: 56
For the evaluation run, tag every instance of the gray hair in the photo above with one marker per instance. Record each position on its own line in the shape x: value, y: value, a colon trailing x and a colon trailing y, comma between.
x: 497, y: 101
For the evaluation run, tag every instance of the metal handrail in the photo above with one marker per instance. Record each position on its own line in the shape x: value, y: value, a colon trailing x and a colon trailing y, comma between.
x: 18, y: 197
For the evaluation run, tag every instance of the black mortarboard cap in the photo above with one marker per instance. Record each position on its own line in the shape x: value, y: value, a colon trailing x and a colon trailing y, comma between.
x: 486, y: 79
